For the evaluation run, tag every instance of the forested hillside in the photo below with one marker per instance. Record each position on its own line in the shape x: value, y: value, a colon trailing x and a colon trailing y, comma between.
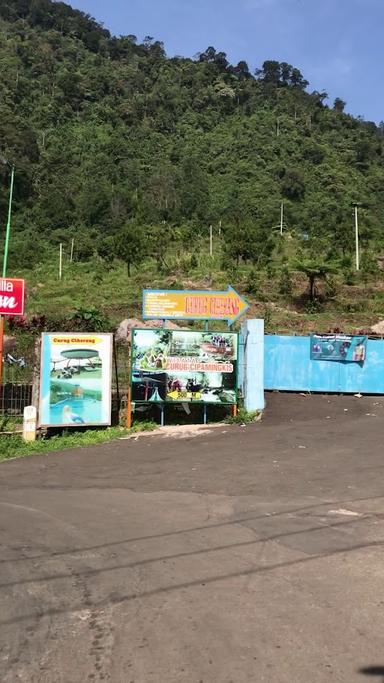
x: 134, y: 154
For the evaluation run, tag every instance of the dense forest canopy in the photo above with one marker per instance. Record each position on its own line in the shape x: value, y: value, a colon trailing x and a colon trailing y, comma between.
x: 128, y: 150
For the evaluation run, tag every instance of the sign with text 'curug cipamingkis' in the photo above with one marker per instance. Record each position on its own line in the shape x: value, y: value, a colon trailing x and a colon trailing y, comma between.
x: 179, y: 366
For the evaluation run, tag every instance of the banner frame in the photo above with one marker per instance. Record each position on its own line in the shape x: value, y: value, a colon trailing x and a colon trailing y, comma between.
x: 180, y: 401
x: 45, y: 425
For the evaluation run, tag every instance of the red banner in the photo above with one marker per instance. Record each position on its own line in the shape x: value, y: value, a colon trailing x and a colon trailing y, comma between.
x: 11, y: 296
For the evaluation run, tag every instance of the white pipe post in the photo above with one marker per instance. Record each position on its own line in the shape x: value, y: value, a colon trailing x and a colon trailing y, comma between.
x: 281, y: 218
x: 357, y: 238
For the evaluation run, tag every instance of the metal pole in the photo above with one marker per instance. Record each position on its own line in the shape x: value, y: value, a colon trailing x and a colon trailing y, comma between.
x: 357, y: 238
x: 281, y: 218
x: 61, y: 261
x: 5, y: 263
x: 72, y: 247
x: 128, y: 422
x: 210, y: 240
x: 8, y: 230
x: 205, y: 414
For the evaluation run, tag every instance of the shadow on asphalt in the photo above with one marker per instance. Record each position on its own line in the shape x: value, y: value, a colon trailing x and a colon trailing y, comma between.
x: 216, y: 525
x: 117, y: 599
x: 178, y: 556
x: 372, y: 671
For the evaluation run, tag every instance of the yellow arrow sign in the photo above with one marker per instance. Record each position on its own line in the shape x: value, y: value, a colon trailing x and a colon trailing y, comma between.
x: 168, y: 304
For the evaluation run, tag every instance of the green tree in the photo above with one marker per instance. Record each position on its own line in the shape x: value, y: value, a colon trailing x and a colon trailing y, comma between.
x: 270, y: 71
x: 194, y: 192
x: 131, y: 245
x: 315, y: 271
x: 293, y: 184
x: 339, y: 105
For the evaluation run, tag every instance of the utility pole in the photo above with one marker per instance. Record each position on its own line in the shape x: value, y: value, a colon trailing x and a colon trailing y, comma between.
x: 357, y: 249
x: 60, y: 261
x: 210, y: 240
x: 282, y: 225
x: 72, y: 247
x: 281, y: 218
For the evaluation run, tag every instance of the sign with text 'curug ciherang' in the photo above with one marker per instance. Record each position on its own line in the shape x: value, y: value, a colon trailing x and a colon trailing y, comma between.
x: 12, y: 295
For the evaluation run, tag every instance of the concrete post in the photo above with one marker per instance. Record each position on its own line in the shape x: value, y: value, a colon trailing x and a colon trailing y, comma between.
x: 253, y: 364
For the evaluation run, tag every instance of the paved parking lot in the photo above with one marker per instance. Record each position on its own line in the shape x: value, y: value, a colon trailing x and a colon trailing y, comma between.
x: 241, y: 555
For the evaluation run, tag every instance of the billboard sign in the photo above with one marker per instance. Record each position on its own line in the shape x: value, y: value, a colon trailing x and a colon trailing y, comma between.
x: 168, y: 304
x: 339, y: 347
x: 177, y: 366
x: 12, y: 295
x: 75, y: 380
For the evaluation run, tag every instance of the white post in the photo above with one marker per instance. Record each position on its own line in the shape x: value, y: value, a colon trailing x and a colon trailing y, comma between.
x: 281, y: 218
x: 210, y: 240
x: 61, y: 261
x: 357, y: 238
x: 29, y: 423
x: 72, y: 247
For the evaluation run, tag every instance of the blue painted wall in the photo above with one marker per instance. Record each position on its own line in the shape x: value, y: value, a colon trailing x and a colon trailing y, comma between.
x: 251, y: 364
x: 288, y: 367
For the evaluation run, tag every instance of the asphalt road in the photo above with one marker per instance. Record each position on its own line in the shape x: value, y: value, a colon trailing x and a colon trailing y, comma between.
x: 246, y: 554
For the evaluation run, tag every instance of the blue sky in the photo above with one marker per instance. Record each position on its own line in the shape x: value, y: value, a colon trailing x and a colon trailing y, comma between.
x: 337, y: 44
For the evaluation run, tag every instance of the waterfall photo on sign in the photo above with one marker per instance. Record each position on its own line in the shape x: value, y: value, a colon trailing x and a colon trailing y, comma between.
x: 75, y: 380
x: 339, y: 347
x: 178, y: 366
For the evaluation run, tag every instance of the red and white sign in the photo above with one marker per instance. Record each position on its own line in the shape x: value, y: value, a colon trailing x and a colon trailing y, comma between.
x: 12, y: 292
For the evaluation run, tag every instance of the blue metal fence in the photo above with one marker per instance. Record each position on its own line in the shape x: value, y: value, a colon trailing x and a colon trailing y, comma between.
x: 288, y: 367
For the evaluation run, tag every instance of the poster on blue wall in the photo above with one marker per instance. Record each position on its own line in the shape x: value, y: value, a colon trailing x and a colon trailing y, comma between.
x: 75, y: 380
x: 339, y: 347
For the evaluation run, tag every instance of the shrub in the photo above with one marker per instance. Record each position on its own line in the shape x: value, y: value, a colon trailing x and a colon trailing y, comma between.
x: 285, y: 282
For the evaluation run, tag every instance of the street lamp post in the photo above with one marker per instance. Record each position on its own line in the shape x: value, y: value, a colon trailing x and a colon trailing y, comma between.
x: 9, y: 219
x: 5, y: 259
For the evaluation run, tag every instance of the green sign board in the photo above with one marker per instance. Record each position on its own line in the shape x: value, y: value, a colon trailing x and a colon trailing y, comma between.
x: 177, y: 366
x: 339, y: 347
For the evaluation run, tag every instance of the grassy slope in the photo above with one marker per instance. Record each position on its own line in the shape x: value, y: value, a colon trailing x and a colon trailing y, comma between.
x: 109, y: 289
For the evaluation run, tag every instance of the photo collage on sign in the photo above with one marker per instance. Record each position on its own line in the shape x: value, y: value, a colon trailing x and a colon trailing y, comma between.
x: 339, y: 347
x: 76, y: 379
x: 182, y: 366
